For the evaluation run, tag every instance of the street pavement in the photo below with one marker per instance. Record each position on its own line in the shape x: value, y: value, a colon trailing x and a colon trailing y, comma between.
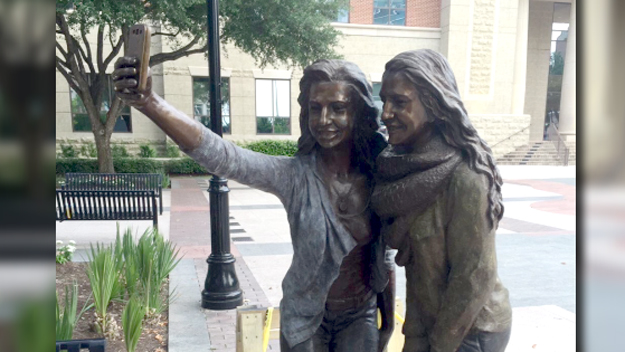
x: 536, y: 247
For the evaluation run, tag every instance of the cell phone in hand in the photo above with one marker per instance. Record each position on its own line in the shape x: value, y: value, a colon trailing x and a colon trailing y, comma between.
x: 139, y: 47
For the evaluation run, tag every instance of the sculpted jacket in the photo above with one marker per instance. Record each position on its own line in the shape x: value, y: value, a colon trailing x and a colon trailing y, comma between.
x: 320, y: 241
x: 453, y: 289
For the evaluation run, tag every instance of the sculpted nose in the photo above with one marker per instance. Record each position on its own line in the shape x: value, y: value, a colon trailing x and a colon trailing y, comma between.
x: 324, y: 117
x: 387, y: 114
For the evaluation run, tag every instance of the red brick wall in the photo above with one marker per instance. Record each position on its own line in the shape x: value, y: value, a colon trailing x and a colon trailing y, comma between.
x: 361, y: 11
x: 423, y: 13
x: 419, y: 13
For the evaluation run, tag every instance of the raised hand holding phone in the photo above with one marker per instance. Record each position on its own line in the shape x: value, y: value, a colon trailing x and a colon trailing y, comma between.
x: 131, y: 76
x: 139, y: 48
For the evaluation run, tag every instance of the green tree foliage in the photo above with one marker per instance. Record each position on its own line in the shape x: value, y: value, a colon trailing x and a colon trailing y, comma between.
x: 294, y: 32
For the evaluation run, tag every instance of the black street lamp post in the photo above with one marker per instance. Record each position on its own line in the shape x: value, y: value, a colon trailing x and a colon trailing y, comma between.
x: 221, y: 288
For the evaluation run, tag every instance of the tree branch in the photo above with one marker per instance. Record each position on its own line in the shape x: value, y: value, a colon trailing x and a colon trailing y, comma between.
x: 83, y: 34
x: 166, y: 34
x: 101, y: 48
x: 116, y: 48
x: 111, y: 118
x: 85, y: 58
x: 72, y: 58
x: 62, y: 67
x: 176, y: 54
x: 63, y: 52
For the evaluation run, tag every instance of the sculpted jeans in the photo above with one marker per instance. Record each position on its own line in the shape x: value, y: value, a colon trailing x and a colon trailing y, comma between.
x: 486, y: 342
x: 343, y: 331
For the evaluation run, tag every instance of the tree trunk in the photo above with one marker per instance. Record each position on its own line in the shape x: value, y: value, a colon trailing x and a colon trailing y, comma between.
x: 105, y: 155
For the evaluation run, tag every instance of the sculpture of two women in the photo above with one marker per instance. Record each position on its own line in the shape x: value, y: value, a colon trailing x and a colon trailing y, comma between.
x: 434, y: 193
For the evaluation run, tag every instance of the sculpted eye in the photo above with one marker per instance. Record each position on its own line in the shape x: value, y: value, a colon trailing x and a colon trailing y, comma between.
x: 339, y: 108
x: 400, y: 103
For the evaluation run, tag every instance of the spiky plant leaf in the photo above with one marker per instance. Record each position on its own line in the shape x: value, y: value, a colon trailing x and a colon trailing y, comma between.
x: 132, y: 322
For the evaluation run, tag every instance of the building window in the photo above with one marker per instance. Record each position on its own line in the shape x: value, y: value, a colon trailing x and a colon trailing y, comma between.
x: 391, y: 12
x: 201, y: 103
x: 343, y: 16
x: 273, y: 106
x: 80, y: 118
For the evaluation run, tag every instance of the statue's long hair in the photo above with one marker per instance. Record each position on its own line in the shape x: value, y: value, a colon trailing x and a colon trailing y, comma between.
x: 368, y: 143
x: 436, y: 85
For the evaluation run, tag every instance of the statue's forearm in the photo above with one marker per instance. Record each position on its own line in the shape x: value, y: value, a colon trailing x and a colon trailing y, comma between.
x: 182, y: 129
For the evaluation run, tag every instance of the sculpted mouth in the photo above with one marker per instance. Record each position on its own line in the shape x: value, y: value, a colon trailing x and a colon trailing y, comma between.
x: 327, y: 134
x: 393, y: 128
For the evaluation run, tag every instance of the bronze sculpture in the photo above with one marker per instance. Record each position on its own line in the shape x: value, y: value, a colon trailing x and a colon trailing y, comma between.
x: 438, y: 193
x: 338, y: 277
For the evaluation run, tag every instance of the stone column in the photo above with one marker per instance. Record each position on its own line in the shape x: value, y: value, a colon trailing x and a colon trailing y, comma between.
x: 520, y: 65
x: 568, y: 99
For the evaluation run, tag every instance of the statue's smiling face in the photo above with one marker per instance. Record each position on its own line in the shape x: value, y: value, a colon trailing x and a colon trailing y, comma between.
x: 331, y: 114
x: 403, y: 114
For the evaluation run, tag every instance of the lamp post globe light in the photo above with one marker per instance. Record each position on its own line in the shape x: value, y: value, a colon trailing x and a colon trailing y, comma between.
x: 221, y: 288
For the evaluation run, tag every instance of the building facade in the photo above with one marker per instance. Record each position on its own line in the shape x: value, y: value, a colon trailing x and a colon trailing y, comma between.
x: 500, y: 51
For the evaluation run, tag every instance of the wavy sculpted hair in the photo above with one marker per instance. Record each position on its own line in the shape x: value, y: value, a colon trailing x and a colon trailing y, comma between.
x: 368, y: 143
x: 436, y: 85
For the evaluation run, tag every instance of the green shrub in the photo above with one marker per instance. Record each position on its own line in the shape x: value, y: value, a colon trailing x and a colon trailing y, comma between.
x: 172, y: 150
x: 184, y: 166
x: 272, y: 147
x: 132, y: 322
x: 146, y: 151
x: 147, y: 263
x: 119, y: 151
x: 133, y: 166
x: 121, y: 165
x: 66, y: 317
x: 166, y: 180
x: 76, y: 165
x: 104, y: 277
x: 68, y: 151
x: 178, y: 166
x: 88, y: 150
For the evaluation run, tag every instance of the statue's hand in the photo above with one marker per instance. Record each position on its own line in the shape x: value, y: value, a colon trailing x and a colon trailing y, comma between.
x: 125, y: 82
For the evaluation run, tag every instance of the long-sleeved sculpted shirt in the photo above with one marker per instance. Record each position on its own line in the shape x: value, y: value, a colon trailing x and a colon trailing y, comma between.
x: 453, y: 289
x: 320, y: 241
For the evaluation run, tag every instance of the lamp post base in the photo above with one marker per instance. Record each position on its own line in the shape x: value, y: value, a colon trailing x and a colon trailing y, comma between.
x: 224, y: 292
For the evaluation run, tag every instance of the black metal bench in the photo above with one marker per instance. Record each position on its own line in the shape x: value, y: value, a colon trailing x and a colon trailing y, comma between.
x: 95, y: 345
x: 116, y: 182
x: 106, y: 205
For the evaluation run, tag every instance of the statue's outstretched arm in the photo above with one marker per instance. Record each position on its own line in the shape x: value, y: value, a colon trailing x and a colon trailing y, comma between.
x: 185, y: 131
x: 218, y: 156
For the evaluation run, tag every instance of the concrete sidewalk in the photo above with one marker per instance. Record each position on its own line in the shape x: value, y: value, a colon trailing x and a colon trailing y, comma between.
x: 536, y: 253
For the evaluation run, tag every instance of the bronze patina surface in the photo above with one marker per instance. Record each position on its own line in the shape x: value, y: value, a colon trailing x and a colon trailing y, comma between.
x: 438, y: 193
x: 338, y: 277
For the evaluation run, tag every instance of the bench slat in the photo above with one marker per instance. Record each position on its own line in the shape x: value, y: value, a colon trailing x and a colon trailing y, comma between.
x: 119, y: 181
x: 106, y: 205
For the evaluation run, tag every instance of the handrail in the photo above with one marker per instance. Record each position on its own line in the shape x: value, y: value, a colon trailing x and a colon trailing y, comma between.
x: 554, y: 136
x: 510, y: 136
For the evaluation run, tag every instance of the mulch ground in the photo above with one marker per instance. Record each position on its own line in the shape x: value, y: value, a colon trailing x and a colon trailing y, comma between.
x: 154, y: 336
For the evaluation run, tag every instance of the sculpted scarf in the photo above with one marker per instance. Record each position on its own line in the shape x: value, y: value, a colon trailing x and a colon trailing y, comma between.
x: 407, y: 184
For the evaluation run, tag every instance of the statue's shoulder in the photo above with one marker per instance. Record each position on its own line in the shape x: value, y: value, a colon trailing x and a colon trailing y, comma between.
x: 466, y: 180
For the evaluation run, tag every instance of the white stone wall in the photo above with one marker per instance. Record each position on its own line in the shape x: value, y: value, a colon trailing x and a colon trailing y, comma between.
x: 502, y: 132
x: 538, y: 53
x: 479, y: 40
